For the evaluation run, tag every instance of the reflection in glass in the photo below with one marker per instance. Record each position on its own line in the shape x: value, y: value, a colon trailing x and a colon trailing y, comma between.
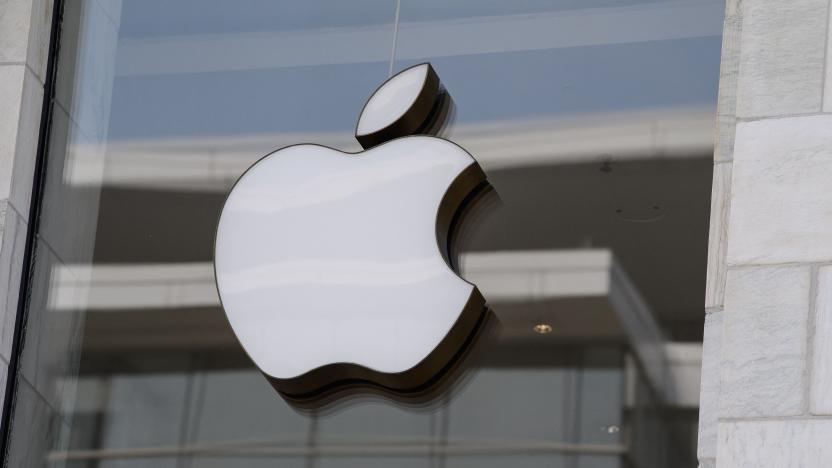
x: 593, y: 120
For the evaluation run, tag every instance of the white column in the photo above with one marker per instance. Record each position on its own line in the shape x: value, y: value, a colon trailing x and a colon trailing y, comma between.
x: 767, y: 372
x: 24, y: 44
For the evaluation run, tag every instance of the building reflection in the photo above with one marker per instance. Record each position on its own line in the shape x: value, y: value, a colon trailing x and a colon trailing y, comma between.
x: 128, y: 359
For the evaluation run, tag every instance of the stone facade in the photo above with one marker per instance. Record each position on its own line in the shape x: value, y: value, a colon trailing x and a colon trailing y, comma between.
x: 24, y: 46
x: 766, y: 396
x: 767, y: 366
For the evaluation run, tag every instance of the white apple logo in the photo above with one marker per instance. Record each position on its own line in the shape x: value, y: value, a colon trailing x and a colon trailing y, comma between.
x: 333, y: 267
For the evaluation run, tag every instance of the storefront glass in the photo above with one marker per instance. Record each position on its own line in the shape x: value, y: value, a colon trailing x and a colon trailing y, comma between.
x: 593, y: 120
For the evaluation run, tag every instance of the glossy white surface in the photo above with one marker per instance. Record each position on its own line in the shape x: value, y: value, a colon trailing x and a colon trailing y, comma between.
x: 392, y: 100
x: 325, y: 257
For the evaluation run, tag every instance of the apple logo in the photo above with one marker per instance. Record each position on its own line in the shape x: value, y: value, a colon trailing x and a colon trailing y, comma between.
x: 334, y: 269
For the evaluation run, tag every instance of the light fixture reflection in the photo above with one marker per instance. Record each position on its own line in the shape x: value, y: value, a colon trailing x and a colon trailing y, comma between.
x: 543, y: 328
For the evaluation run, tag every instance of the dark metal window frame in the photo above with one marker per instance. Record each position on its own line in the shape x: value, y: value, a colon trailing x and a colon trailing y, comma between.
x: 29, y: 254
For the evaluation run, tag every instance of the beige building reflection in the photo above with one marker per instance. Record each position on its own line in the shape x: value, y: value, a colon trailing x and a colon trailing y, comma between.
x: 598, y: 238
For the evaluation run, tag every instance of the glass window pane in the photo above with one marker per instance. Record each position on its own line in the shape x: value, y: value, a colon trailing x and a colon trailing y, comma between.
x: 592, y: 119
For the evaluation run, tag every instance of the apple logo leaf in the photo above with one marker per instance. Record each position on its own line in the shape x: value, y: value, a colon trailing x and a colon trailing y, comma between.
x: 405, y: 104
x: 334, y: 269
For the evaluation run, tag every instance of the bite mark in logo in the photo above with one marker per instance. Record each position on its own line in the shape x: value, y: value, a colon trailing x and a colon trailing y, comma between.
x: 334, y: 268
